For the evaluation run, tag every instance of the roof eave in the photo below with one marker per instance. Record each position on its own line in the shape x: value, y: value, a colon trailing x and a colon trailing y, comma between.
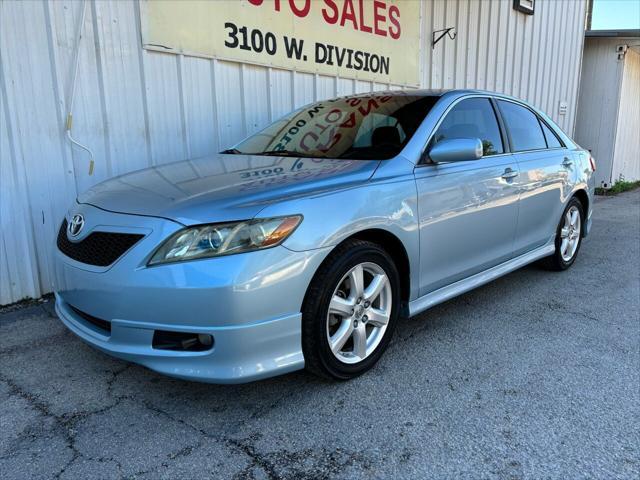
x: 631, y: 33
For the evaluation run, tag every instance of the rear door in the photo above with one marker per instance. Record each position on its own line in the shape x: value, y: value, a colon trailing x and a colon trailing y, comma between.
x: 468, y: 210
x: 546, y: 168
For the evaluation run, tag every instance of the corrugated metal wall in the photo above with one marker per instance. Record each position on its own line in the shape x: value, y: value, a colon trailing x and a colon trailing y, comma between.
x: 599, y: 101
x: 136, y: 108
x: 608, y: 118
x: 536, y: 58
x: 626, y: 163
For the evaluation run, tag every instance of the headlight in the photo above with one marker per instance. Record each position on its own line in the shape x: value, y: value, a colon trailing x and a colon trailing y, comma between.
x: 225, y: 239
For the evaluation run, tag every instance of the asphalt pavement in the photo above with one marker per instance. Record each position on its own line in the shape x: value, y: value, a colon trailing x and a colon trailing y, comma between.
x: 536, y: 375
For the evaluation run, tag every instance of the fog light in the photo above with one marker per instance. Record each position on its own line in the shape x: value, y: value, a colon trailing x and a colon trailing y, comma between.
x: 181, y: 341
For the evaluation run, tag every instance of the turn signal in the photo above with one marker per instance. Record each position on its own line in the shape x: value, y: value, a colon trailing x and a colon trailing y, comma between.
x: 282, y: 231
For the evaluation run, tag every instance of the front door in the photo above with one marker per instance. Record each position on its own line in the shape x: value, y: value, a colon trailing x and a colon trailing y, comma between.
x: 468, y: 210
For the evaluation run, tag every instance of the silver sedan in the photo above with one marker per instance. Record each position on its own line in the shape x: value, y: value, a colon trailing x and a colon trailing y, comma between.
x: 303, y: 244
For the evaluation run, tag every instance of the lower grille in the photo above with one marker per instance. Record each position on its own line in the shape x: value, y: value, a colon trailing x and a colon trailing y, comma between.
x: 99, y: 248
x: 95, y: 321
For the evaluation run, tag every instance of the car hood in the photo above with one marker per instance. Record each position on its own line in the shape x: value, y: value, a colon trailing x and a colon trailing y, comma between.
x: 223, y: 188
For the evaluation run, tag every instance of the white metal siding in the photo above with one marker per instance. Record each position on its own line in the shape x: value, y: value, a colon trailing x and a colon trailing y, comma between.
x: 626, y: 163
x: 536, y: 58
x: 136, y: 108
x: 608, y: 119
x: 598, y: 103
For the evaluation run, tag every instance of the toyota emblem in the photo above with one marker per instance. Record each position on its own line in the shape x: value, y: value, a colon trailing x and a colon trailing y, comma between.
x: 76, y: 224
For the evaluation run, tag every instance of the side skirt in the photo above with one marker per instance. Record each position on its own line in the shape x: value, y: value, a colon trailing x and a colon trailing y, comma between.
x: 445, y: 293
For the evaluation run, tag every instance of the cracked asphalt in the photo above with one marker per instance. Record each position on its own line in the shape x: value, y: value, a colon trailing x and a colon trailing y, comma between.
x: 535, y: 375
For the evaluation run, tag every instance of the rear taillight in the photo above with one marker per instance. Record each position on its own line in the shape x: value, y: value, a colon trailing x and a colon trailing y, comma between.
x: 592, y: 162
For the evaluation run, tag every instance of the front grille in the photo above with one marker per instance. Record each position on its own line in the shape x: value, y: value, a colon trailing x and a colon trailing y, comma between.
x: 99, y: 248
x: 95, y: 321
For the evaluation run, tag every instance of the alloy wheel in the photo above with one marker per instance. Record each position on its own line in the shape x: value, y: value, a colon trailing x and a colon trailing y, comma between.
x: 570, y: 233
x: 359, y: 312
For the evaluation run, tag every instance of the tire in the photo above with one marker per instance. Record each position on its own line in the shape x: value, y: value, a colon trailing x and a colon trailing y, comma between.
x: 560, y: 260
x: 334, y: 279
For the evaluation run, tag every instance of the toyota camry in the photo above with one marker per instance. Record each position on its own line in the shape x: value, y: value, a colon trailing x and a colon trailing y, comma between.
x: 302, y: 245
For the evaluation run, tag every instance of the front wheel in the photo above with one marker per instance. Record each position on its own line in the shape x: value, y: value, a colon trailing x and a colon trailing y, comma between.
x: 350, y: 310
x: 568, y: 237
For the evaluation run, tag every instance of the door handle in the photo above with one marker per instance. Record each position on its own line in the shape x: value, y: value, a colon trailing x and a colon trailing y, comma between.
x: 509, y: 174
x: 567, y: 162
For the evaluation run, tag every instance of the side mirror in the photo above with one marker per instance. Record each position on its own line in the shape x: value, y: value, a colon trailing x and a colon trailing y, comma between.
x: 456, y: 150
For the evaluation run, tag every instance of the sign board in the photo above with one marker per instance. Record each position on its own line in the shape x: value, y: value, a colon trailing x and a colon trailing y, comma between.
x: 375, y: 40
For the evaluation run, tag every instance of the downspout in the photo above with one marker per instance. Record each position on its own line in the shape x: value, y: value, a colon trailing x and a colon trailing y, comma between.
x: 72, y: 92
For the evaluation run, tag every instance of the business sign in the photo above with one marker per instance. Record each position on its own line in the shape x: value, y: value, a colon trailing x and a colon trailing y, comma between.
x: 377, y: 40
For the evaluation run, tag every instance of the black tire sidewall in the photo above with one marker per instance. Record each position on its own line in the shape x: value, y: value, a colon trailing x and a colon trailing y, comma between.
x: 333, y: 272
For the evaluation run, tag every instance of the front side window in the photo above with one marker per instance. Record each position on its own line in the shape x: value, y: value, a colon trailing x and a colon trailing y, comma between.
x: 472, y: 118
x: 524, y: 128
x: 360, y: 127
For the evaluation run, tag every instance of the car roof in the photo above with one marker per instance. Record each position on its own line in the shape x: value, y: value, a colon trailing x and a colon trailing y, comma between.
x: 421, y: 92
x: 451, y: 94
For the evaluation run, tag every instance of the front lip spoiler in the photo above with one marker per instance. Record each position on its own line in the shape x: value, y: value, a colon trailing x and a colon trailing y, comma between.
x: 241, y: 353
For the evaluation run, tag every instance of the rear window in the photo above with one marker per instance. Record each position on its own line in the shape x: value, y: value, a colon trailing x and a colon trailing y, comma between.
x: 524, y: 128
x: 552, y: 139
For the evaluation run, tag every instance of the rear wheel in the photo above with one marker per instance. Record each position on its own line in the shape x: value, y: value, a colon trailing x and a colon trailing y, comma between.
x: 568, y: 237
x: 350, y: 311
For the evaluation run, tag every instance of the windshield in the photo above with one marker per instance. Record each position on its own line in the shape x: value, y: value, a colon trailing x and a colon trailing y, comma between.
x: 359, y: 127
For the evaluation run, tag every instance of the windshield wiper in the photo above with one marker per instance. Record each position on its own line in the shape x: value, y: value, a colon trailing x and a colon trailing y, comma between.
x: 279, y: 153
x: 285, y: 153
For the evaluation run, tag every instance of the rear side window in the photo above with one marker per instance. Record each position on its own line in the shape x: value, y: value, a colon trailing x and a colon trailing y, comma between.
x: 524, y: 127
x: 472, y: 118
x: 552, y: 139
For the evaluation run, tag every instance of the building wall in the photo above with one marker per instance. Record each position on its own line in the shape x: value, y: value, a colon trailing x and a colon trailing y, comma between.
x: 598, y: 103
x: 135, y: 108
x: 626, y: 164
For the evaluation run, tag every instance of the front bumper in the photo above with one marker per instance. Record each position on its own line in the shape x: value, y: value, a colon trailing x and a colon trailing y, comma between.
x: 250, y: 303
x: 240, y: 354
